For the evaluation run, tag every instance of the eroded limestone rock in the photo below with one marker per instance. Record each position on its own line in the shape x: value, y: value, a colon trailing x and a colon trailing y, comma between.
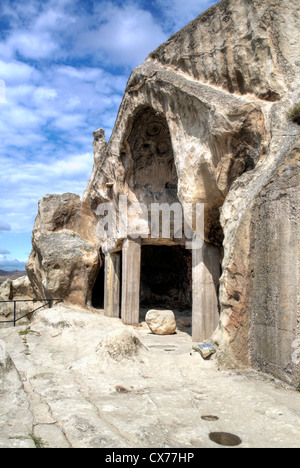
x: 242, y: 47
x: 6, y: 290
x: 120, y: 345
x: 161, y: 322
x: 16, y: 290
x: 203, y: 120
x: 5, y: 360
x: 62, y: 263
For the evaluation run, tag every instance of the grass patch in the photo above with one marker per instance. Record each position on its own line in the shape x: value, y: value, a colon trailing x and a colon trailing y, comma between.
x: 38, y: 442
x: 298, y: 388
x: 294, y: 113
x: 28, y: 331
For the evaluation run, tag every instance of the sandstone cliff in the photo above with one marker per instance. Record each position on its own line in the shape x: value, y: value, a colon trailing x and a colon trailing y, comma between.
x: 207, y: 113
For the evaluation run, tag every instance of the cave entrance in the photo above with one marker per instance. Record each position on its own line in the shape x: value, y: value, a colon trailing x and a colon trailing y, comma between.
x: 156, y: 271
x: 166, y: 282
x: 156, y: 276
x: 98, y: 289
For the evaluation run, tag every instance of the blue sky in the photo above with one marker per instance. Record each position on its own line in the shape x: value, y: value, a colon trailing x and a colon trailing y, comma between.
x: 64, y: 65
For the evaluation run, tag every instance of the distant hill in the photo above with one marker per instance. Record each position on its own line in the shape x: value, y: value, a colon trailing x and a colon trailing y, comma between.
x: 4, y: 275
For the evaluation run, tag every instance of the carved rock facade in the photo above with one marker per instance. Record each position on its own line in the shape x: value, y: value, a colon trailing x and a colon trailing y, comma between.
x: 203, y: 120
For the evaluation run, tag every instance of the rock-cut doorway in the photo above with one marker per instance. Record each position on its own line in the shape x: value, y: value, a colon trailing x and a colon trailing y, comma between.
x: 166, y: 282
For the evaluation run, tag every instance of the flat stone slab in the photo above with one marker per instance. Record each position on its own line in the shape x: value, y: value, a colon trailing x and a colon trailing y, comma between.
x: 205, y: 349
x: 59, y: 392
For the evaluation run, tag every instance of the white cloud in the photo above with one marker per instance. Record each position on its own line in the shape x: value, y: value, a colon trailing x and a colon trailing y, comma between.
x: 125, y: 35
x: 35, y: 28
x: 25, y: 183
x: 82, y: 74
x: 32, y: 45
x: 2, y: 92
x: 50, y: 112
x: 68, y: 122
x: 121, y: 34
x: 178, y: 13
x: 21, y: 117
x: 54, y: 19
x: 17, y: 13
x: 16, y: 72
x: 4, y: 252
x: 42, y: 95
x: 5, y: 52
x: 4, y: 226
x: 9, y: 264
x: 62, y: 104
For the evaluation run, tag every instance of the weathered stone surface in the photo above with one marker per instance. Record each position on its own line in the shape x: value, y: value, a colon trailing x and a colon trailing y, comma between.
x: 6, y: 290
x: 62, y: 263
x: 243, y: 47
x: 275, y: 272
x: 21, y: 288
x: 120, y: 345
x: 260, y: 284
x: 161, y: 322
x: 16, y: 290
x: 16, y: 419
x: 61, y: 393
x: 5, y: 361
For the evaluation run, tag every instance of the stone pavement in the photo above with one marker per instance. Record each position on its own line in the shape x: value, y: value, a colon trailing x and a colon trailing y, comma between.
x: 58, y: 392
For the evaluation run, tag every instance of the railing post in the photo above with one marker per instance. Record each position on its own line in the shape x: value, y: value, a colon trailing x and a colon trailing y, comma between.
x: 15, y: 319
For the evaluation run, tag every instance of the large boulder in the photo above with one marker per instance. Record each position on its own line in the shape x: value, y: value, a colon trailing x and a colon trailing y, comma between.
x: 161, y: 322
x: 6, y: 293
x: 63, y: 264
x: 19, y: 290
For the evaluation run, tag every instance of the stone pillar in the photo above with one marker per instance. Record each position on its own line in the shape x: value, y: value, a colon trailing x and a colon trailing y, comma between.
x: 206, y: 275
x: 131, y: 272
x: 112, y: 285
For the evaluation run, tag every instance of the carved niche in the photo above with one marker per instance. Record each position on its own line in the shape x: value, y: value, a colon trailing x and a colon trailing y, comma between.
x: 153, y: 165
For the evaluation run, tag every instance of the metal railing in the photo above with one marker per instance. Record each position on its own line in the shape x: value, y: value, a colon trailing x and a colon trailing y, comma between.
x: 50, y: 303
